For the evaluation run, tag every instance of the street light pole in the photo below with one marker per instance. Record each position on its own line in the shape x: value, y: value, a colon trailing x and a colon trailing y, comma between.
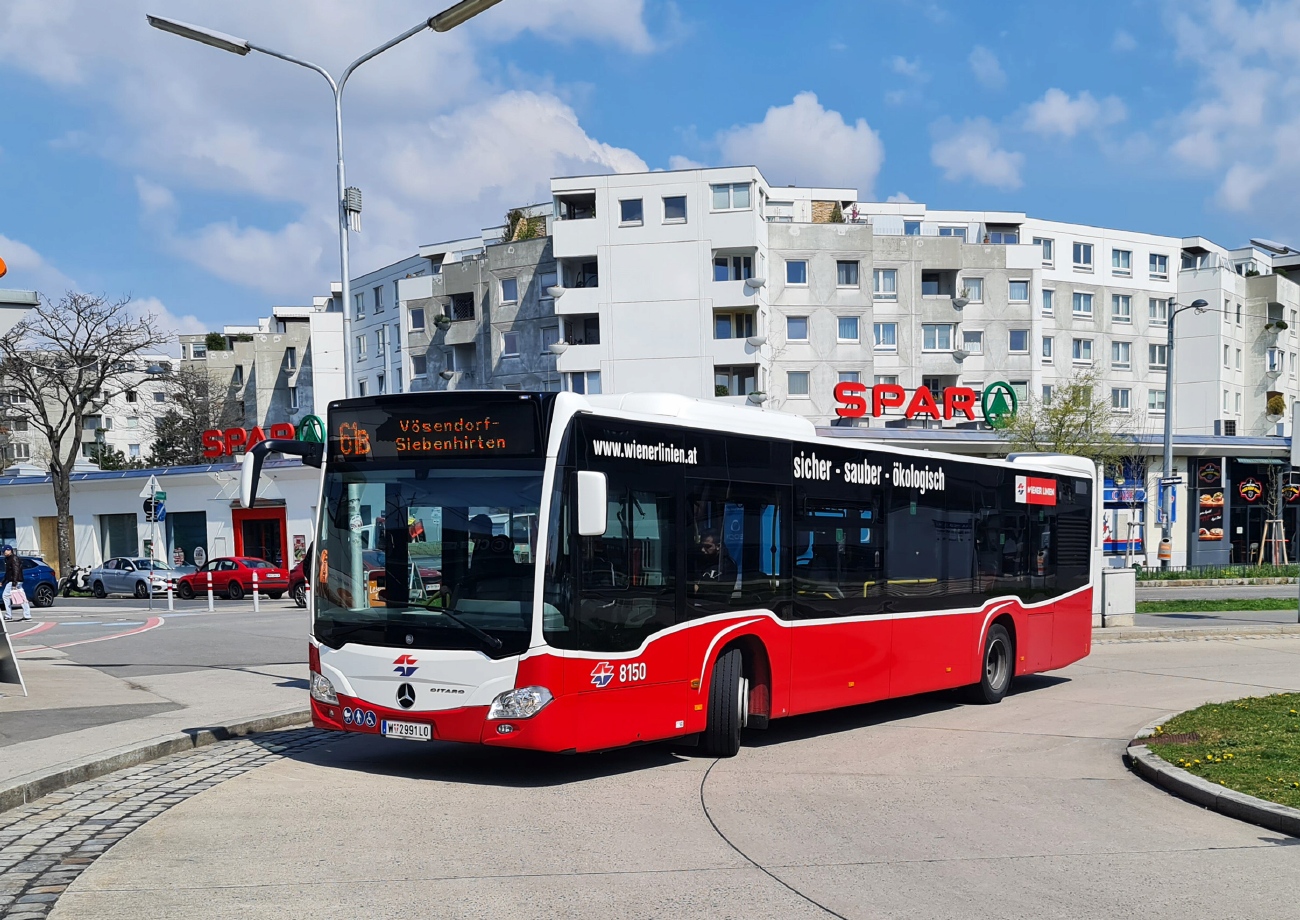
x: 445, y: 21
x: 1167, y: 476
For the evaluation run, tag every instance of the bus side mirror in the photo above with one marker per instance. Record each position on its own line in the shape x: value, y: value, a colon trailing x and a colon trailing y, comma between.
x: 592, y: 503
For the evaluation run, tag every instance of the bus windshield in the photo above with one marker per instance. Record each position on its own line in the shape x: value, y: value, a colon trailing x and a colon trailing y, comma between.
x: 428, y: 558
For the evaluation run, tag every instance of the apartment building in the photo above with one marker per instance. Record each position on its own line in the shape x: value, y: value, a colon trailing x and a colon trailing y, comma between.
x: 286, y: 366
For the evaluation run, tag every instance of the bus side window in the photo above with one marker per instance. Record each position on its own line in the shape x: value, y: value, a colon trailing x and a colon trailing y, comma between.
x: 735, y: 553
x: 839, y: 556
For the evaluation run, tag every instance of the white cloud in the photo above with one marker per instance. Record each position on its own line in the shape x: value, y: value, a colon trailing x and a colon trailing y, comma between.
x: 1243, y: 127
x: 807, y: 144
x: 438, y: 146
x: 1123, y: 41
x: 970, y: 151
x: 984, y: 64
x: 680, y: 162
x: 903, y: 67
x: 1057, y: 114
x: 30, y: 271
x: 898, y: 197
x: 171, y: 323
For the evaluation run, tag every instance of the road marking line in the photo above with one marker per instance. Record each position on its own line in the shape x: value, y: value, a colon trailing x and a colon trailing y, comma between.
x: 153, y: 623
x: 36, y: 628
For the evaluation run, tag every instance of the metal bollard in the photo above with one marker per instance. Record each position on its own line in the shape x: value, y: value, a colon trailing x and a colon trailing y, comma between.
x: 257, y: 607
x: 170, y: 602
x: 210, y: 605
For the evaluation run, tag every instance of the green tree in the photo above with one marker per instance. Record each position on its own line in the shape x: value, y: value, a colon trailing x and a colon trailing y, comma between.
x: 195, y: 405
x: 110, y: 458
x: 1077, y: 420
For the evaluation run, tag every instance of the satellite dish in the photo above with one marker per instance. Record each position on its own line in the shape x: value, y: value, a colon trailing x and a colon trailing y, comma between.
x: 1272, y: 246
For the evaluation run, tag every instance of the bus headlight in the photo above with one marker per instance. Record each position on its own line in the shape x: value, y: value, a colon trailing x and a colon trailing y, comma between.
x: 522, y: 703
x: 322, y: 691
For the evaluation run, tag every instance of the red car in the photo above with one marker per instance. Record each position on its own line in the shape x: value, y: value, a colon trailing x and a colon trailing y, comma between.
x: 233, y: 577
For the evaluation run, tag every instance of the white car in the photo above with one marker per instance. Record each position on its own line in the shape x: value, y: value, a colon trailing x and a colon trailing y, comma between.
x: 126, y: 575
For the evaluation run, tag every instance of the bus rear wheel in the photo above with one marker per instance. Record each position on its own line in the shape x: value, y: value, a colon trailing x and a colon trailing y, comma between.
x: 728, y: 698
x: 999, y: 664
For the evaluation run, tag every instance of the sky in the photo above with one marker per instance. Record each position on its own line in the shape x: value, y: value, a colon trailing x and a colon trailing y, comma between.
x: 201, y: 184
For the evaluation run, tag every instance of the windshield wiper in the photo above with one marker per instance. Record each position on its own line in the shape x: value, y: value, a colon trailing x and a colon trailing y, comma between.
x: 491, y: 640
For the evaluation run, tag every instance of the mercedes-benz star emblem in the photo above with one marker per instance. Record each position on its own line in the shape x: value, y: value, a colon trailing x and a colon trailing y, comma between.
x: 406, y: 696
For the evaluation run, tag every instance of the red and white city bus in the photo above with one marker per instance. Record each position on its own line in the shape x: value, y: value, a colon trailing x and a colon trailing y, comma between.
x: 624, y: 569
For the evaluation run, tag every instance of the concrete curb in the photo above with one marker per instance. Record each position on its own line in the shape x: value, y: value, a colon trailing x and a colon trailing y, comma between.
x: 1148, y: 633
x: 1194, y: 789
x: 24, y: 789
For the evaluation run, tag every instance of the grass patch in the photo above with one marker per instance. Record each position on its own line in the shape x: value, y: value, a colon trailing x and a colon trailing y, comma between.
x: 1226, y: 571
x: 1192, y: 605
x: 1251, y: 745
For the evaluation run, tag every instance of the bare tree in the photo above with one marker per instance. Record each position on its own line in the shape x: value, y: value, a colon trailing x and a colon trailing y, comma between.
x: 1077, y: 420
x: 63, y: 363
x: 195, y: 403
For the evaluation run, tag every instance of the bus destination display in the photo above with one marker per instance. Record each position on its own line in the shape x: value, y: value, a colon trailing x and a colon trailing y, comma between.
x: 496, y: 429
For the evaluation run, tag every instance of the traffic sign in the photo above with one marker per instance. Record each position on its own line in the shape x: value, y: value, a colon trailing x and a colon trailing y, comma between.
x: 160, y: 496
x: 200, y: 556
x: 154, y: 511
x: 150, y: 487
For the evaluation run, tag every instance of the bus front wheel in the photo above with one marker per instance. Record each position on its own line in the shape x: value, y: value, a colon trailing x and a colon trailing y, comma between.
x: 998, y: 665
x: 728, y: 696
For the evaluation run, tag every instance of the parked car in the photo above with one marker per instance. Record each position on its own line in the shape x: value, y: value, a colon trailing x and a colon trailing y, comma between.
x: 39, y: 582
x: 232, y: 576
x: 133, y: 576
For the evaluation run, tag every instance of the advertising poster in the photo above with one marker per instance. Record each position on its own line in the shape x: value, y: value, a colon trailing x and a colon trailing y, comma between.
x: 1209, y: 481
x: 299, y: 547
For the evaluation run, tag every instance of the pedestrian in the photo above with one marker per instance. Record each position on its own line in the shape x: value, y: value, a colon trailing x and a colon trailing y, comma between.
x: 13, y: 585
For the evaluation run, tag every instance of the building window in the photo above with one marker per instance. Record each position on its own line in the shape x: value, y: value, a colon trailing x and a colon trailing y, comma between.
x: 1018, y: 292
x: 419, y: 366
x: 1120, y: 398
x: 1239, y: 360
x: 362, y: 341
x: 587, y: 382
x: 733, y: 325
x: 1021, y: 388
x: 509, y: 290
x: 291, y: 358
x: 1238, y: 314
x: 381, y: 340
x: 1048, y: 344
x: 1048, y: 249
x: 359, y: 304
x: 1156, y: 400
x: 1158, y: 357
x: 1083, y: 256
x: 956, y: 232
x: 1227, y: 356
x: 132, y: 421
x: 849, y: 377
x: 890, y: 379
x: 510, y: 344
x: 378, y: 293
x: 674, y: 210
x: 199, y: 351
x: 417, y: 319
x: 974, y: 288
x: 1121, y: 355
x: 732, y: 268
x: 1275, y: 359
x: 293, y: 398
x: 550, y: 335
x: 1121, y: 308
x: 159, y: 396
x: 462, y: 305
x: 239, y: 375
x: 731, y: 197
x: 936, y: 336
x: 1227, y: 401
x: 1049, y: 301
x: 281, y: 327
x: 734, y: 381
x: 546, y: 281
x: 363, y: 387
x: 132, y: 396
x: 797, y: 383
x: 848, y: 328
x: 911, y: 228
x: 631, y: 212
x: 1121, y: 262
x: 1238, y: 401
x: 846, y: 274
x: 1019, y: 341
x: 885, y: 283
x: 885, y: 336
x: 1158, y: 268
x: 1158, y: 311
x: 972, y: 341
x: 796, y: 271
x: 1082, y: 304
x: 796, y: 328
x: 1047, y: 394
x: 379, y: 384
x: 1081, y: 351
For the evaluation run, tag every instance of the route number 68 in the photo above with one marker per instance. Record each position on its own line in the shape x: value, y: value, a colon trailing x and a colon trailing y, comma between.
x: 631, y: 672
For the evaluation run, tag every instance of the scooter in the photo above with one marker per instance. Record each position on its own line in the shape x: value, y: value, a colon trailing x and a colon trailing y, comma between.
x: 76, y: 580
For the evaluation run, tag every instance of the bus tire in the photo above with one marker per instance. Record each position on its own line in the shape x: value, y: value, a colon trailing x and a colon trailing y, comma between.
x: 727, y: 692
x: 997, y: 666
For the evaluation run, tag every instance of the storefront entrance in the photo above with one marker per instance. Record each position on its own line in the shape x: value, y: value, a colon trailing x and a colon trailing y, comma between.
x: 260, y: 533
x: 1254, y: 501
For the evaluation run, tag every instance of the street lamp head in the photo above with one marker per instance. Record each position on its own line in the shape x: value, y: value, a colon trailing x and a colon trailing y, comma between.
x: 1200, y: 306
x: 446, y: 375
x: 453, y: 16
x: 157, y: 369
x: 558, y: 348
x: 200, y: 34
x: 556, y: 290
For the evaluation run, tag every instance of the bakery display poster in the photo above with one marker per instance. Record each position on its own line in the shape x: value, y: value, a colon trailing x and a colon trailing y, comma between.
x: 1209, y: 480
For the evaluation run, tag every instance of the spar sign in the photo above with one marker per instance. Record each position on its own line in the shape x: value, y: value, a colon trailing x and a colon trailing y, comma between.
x: 998, y: 402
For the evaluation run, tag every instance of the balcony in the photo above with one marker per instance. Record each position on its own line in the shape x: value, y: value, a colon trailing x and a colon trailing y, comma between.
x: 576, y: 232
x: 733, y: 352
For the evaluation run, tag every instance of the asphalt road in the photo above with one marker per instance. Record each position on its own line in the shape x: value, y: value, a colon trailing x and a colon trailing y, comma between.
x: 1215, y: 592
x: 921, y: 808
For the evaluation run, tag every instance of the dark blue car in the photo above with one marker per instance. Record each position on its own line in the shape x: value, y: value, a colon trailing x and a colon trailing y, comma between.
x: 38, y: 581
